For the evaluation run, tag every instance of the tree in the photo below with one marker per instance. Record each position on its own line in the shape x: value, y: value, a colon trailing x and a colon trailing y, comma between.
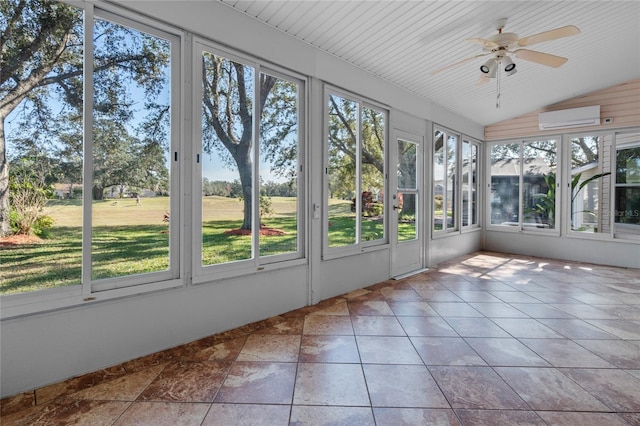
x: 344, y: 118
x: 228, y: 109
x: 35, y: 36
x: 41, y: 65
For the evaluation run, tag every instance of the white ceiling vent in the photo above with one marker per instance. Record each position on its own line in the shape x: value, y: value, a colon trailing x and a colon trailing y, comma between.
x: 568, y: 118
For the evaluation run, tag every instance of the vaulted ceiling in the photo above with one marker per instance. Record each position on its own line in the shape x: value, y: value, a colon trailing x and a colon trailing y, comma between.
x: 404, y: 41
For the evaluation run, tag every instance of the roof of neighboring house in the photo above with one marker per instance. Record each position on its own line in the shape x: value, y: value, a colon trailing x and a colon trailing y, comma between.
x: 585, y: 167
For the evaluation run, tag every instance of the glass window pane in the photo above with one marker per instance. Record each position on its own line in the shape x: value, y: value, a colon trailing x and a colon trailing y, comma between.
x: 587, y: 185
x: 439, y: 180
x: 474, y: 184
x: 469, y: 162
x: 227, y: 161
x: 372, y: 174
x: 628, y: 166
x: 452, y: 148
x: 41, y: 212
x: 407, y: 208
x: 407, y: 170
x: 505, y: 184
x: 539, y: 184
x: 407, y: 180
x: 627, y: 185
x: 465, y: 156
x: 278, y: 165
x: 131, y: 152
x: 342, y: 201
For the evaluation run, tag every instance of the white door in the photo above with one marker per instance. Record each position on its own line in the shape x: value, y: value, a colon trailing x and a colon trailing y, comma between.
x: 406, y: 213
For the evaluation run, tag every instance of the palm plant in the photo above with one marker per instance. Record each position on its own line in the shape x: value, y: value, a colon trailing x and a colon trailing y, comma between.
x: 546, y: 204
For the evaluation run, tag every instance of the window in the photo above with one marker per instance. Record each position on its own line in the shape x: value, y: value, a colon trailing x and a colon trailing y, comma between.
x: 469, y: 157
x: 249, y: 169
x: 589, y: 185
x: 407, y: 202
x: 523, y: 185
x: 93, y: 181
x: 445, y: 194
x: 131, y: 186
x: 356, y: 142
x: 627, y: 184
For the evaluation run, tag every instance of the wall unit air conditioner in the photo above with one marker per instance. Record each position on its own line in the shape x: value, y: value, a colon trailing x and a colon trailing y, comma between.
x: 568, y: 118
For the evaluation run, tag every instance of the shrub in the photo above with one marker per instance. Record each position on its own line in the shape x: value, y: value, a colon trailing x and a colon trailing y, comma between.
x: 438, y: 202
x: 28, y: 195
x: 43, y: 225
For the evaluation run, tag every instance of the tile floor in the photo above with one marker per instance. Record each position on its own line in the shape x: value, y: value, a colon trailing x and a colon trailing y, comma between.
x: 486, y: 339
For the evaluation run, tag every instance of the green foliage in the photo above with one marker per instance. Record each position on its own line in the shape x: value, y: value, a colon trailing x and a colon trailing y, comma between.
x: 575, y: 182
x: 43, y: 59
x: 345, y: 116
x: 546, y: 203
x: 438, y: 201
x: 42, y: 226
x: 14, y: 221
x: 229, y: 106
x: 376, y: 209
x: 28, y: 194
x: 265, y: 206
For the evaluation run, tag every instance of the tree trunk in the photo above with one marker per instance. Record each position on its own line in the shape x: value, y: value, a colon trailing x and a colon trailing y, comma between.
x: 246, y: 181
x: 5, y: 226
x: 98, y: 192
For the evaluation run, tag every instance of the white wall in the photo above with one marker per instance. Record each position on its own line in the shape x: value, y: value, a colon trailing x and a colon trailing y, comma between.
x: 615, y: 253
x: 41, y: 349
x: 46, y: 348
x: 449, y: 247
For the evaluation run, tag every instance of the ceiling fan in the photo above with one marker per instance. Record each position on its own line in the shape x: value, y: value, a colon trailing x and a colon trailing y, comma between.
x: 501, y: 45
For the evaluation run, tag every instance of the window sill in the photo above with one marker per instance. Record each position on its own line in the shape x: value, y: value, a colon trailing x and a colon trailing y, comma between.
x: 353, y: 251
x: 19, y: 305
x: 527, y: 230
x: 467, y: 230
x: 617, y: 238
x: 210, y: 274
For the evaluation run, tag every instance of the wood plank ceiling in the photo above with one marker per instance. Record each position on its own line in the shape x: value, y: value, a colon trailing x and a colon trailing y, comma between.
x: 404, y: 41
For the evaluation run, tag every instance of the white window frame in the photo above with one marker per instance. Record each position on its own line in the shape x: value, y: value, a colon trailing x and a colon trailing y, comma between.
x: 622, y: 231
x: 520, y: 226
x: 88, y: 291
x: 174, y: 229
x: 457, y: 193
x: 256, y: 263
x: 567, y: 192
x: 472, y: 186
x: 359, y: 246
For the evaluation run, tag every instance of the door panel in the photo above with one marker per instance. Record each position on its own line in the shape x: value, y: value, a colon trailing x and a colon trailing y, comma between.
x: 406, y: 216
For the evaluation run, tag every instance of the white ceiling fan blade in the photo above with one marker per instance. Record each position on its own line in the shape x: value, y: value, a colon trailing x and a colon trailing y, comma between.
x: 487, y: 44
x: 540, y: 58
x: 482, y: 80
x: 464, y: 61
x: 569, y: 30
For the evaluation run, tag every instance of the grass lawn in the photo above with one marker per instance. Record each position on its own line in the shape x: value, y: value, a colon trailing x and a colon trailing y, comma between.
x: 130, y: 239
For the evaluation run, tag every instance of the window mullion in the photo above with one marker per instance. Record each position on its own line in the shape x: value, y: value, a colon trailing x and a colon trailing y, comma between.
x: 445, y: 180
x: 521, y: 187
x: 87, y: 173
x: 358, y: 162
x: 257, y: 114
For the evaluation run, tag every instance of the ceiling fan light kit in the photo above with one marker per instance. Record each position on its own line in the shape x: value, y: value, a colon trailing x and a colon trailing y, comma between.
x: 501, y: 45
x: 509, y: 65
